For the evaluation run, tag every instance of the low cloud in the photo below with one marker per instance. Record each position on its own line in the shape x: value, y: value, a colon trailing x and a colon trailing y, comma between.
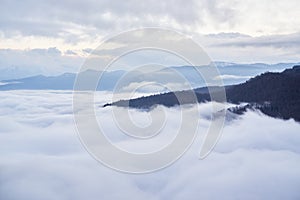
x: 257, y: 157
x: 229, y: 76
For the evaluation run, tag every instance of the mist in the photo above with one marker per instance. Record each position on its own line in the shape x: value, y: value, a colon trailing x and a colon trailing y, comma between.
x: 257, y: 157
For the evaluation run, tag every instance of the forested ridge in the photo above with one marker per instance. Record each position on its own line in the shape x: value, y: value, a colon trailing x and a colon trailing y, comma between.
x: 276, y: 94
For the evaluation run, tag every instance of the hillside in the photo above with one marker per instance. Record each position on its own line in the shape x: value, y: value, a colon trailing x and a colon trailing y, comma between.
x: 275, y: 94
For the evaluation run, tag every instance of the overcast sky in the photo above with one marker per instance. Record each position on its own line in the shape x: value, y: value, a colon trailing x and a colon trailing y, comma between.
x: 237, y: 31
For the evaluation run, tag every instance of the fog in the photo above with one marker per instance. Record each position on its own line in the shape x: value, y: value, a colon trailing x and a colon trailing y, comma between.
x: 257, y: 157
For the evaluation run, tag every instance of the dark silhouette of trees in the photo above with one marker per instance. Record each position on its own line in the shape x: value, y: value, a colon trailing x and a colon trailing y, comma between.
x: 275, y: 94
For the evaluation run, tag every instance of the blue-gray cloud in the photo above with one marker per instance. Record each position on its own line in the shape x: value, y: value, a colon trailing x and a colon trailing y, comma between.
x: 289, y: 41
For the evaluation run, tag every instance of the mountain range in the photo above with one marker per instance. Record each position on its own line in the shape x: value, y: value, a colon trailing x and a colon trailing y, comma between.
x: 274, y: 93
x: 231, y: 73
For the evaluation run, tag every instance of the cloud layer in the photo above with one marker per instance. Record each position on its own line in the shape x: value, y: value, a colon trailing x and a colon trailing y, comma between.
x: 257, y: 157
x: 269, y: 29
x: 78, y: 19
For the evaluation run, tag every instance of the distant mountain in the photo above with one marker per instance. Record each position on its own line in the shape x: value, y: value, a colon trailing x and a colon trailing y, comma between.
x: 62, y: 82
x: 40, y: 82
x: 275, y: 94
x: 231, y: 73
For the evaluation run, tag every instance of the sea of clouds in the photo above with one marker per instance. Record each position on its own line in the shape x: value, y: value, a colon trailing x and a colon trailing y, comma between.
x: 41, y: 156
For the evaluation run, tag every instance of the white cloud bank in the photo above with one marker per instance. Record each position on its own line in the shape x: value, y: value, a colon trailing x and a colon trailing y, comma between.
x: 257, y: 157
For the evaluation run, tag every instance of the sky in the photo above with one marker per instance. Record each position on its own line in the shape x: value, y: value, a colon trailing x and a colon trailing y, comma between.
x: 56, y: 36
x: 257, y: 157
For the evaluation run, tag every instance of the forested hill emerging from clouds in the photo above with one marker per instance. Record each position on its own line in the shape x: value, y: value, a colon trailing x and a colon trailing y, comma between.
x: 275, y: 94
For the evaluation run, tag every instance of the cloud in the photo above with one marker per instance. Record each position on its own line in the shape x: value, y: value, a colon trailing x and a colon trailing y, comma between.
x: 238, y: 31
x: 51, y: 61
x: 236, y: 47
x: 69, y: 18
x: 147, y: 87
x: 70, y: 21
x: 277, y: 41
x: 229, y: 76
x: 233, y: 31
x: 71, y: 53
x: 5, y: 83
x: 257, y: 157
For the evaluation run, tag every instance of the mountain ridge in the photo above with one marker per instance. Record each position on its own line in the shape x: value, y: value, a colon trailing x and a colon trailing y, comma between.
x: 276, y: 94
x: 232, y: 73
